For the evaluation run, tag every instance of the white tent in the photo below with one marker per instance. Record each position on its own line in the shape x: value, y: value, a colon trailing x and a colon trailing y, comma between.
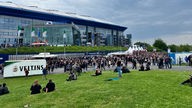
x: 129, y: 51
x: 44, y: 55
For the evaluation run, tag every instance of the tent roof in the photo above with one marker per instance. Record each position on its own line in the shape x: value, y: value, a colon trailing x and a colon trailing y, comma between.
x: 44, y: 55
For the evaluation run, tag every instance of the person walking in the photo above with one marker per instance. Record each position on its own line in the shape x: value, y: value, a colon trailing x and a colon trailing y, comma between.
x: 118, y: 68
x: 26, y: 72
x: 44, y: 73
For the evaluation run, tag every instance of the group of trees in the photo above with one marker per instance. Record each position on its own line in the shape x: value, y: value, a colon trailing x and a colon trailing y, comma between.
x: 160, y: 45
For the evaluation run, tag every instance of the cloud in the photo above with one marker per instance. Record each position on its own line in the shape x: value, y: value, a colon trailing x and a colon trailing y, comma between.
x: 146, y: 3
x: 177, y: 39
x: 145, y: 19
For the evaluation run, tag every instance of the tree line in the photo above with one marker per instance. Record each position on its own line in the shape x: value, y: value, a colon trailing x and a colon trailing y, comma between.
x: 160, y: 45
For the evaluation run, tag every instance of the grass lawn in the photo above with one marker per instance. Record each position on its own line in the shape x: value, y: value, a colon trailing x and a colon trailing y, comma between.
x: 153, y: 89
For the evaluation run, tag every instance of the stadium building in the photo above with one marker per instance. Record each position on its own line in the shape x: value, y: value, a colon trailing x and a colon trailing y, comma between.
x: 25, y: 25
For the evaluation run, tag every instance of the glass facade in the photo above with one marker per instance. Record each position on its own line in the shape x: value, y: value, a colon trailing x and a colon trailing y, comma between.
x: 54, y: 35
x: 74, y: 34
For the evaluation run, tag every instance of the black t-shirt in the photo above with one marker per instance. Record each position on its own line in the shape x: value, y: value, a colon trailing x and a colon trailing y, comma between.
x: 35, y: 89
x: 50, y: 86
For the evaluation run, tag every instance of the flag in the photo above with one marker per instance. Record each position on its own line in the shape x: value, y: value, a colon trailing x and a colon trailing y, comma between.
x: 64, y: 35
x: 19, y: 31
x: 33, y: 32
x: 44, y: 32
x: 39, y: 33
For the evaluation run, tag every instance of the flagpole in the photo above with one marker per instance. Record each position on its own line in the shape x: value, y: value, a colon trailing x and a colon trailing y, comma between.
x: 30, y: 33
x: 44, y: 47
x: 17, y: 45
x: 64, y: 46
x: 64, y: 36
x: 44, y: 35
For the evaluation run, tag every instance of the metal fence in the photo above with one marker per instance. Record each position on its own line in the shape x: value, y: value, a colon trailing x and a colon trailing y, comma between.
x: 60, y: 55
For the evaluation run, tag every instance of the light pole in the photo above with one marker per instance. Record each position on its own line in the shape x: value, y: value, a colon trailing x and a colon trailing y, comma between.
x: 64, y: 36
x: 17, y: 46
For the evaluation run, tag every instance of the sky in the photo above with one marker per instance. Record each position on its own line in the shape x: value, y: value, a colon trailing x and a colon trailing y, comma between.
x: 147, y: 20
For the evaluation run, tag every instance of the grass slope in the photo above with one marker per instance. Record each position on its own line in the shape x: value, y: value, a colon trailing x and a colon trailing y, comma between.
x: 153, y: 89
x: 54, y: 49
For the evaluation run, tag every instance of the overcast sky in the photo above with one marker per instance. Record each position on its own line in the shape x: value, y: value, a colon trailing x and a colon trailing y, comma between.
x: 147, y: 20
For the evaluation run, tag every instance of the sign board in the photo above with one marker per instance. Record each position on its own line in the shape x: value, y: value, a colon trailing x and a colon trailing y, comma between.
x: 175, y: 57
x: 16, y: 67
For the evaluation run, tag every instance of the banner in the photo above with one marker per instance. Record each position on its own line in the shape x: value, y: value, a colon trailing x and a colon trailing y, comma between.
x: 33, y: 32
x: 16, y: 67
x: 44, y: 32
x: 19, y: 31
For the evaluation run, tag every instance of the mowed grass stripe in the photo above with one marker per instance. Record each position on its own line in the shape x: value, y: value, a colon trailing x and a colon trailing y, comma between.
x: 152, y: 89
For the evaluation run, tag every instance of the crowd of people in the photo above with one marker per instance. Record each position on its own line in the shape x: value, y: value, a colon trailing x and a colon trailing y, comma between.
x: 138, y: 58
x: 76, y: 65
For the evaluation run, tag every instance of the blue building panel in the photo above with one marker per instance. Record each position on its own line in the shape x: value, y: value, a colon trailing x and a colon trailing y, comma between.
x: 3, y: 58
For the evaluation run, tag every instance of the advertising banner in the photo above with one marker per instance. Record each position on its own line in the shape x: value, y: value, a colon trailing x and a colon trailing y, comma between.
x: 16, y: 67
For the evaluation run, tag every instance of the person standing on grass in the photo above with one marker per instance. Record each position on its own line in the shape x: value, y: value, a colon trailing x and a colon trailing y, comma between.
x: 52, y: 67
x: 35, y: 88
x: 44, y: 73
x: 26, y: 72
x: 118, y: 68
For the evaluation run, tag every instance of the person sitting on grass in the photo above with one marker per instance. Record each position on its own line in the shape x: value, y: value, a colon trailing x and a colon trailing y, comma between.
x: 72, y: 76
x: 49, y: 87
x: 148, y: 66
x: 188, y: 80
x: 125, y: 70
x: 35, y: 88
x: 142, y: 68
x: 78, y: 69
x: 1, y: 89
x: 97, y: 72
x: 5, y: 88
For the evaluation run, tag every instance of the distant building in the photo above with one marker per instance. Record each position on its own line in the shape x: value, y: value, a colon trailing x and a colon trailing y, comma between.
x: 28, y: 24
x: 127, y: 40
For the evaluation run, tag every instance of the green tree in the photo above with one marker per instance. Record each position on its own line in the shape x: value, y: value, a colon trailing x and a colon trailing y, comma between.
x: 173, y: 47
x: 184, y: 48
x: 160, y: 44
x: 180, y: 48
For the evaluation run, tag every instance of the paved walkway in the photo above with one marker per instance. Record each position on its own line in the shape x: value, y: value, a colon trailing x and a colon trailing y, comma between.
x: 176, y: 68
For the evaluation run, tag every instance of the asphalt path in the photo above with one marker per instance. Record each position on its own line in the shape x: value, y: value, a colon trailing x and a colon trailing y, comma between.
x: 175, y: 68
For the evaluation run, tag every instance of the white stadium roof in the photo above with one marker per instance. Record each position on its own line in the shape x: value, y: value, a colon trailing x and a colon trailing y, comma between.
x: 51, y: 11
